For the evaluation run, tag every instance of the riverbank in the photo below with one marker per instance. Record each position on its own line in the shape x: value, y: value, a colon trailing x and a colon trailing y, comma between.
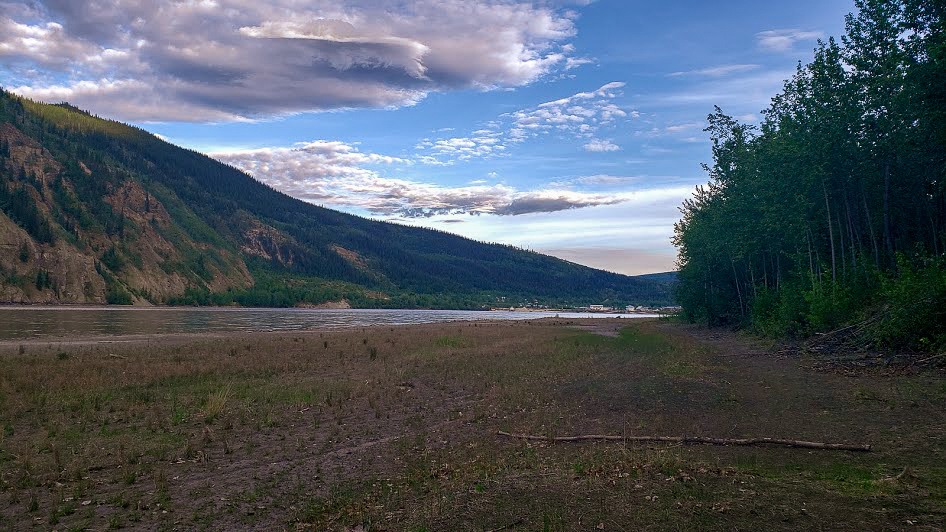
x: 117, y: 323
x: 396, y: 428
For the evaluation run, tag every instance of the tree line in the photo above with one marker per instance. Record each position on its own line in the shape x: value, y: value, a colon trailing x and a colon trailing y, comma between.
x: 833, y: 209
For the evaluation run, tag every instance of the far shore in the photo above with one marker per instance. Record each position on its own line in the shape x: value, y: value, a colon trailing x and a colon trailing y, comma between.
x: 93, y: 306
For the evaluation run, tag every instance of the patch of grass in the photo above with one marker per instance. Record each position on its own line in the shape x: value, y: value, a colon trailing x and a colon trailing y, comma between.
x: 454, y: 341
x: 216, y: 403
x: 853, y: 480
x: 866, y: 394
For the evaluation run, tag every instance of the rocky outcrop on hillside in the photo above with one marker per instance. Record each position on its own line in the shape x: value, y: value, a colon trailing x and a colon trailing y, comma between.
x: 55, y: 249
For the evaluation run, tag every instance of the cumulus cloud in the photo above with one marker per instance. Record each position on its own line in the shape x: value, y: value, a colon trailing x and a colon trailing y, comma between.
x: 130, y: 99
x: 601, y: 145
x: 784, y: 40
x: 575, y: 62
x: 236, y: 59
x: 580, y: 115
x: 47, y: 44
x: 481, y: 143
x: 339, y: 174
x: 321, y: 158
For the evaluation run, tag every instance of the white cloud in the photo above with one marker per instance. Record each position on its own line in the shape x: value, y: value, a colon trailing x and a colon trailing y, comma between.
x: 131, y: 99
x: 580, y: 115
x: 595, y: 181
x: 676, y: 128
x: 339, y: 174
x: 601, y: 145
x: 588, y: 235
x: 784, y: 40
x: 671, y: 130
x: 715, y: 72
x: 307, y: 160
x: 605, y: 179
x: 47, y: 44
x: 747, y: 92
x: 233, y: 59
x: 449, y: 150
x: 575, y: 62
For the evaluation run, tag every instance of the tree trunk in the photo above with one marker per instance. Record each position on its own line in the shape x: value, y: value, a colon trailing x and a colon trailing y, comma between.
x: 842, y: 247
x: 811, y: 260
x: 888, y: 240
x: 853, y: 235
x: 755, y: 293
x: 827, y: 205
x: 870, y: 225
x: 742, y: 308
x: 933, y: 230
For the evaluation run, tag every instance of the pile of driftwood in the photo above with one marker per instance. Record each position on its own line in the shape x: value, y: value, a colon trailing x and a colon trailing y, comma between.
x: 856, y: 346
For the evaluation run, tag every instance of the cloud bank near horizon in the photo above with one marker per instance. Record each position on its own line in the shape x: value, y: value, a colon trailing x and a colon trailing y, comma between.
x: 339, y: 174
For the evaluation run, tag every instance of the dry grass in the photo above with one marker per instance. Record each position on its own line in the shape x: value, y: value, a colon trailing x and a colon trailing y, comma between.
x: 394, y: 428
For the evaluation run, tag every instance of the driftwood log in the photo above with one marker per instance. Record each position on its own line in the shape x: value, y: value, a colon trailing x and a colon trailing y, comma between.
x: 696, y: 439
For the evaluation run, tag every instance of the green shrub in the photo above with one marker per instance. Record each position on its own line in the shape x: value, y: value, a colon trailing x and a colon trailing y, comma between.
x: 117, y: 295
x: 915, y: 316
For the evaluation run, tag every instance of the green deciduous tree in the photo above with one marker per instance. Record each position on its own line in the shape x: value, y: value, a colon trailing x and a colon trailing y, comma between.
x: 808, y: 221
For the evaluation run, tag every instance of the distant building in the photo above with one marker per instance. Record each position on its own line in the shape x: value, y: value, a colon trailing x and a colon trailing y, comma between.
x: 598, y: 307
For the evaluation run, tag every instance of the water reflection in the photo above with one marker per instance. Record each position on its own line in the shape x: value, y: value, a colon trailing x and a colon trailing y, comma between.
x: 65, y: 322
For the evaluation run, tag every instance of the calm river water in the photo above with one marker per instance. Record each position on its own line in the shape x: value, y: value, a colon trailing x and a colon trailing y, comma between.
x: 69, y: 322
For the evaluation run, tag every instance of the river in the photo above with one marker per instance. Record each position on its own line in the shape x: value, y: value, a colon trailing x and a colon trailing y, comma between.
x: 37, y: 323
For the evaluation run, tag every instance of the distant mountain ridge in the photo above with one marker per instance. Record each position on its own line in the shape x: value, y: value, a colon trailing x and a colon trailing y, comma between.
x: 662, y: 277
x: 95, y: 211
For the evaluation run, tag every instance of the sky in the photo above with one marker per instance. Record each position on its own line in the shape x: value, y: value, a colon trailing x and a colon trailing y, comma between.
x: 572, y: 128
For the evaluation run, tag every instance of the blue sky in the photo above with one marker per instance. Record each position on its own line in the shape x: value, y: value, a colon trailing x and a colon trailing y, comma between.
x: 573, y: 128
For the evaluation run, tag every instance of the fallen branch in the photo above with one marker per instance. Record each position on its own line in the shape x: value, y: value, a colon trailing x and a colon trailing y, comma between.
x: 904, y: 473
x: 824, y: 335
x: 696, y: 439
x: 934, y: 357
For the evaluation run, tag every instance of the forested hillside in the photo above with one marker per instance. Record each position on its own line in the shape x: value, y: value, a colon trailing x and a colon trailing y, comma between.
x: 833, y: 211
x: 93, y: 210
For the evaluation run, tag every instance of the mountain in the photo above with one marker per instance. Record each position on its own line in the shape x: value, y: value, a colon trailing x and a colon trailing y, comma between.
x: 95, y: 211
x: 662, y: 277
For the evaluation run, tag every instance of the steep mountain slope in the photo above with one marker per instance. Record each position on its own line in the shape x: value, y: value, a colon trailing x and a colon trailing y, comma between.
x: 93, y: 210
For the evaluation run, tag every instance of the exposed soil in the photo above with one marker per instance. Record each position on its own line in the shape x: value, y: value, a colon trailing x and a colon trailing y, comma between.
x: 395, y: 428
